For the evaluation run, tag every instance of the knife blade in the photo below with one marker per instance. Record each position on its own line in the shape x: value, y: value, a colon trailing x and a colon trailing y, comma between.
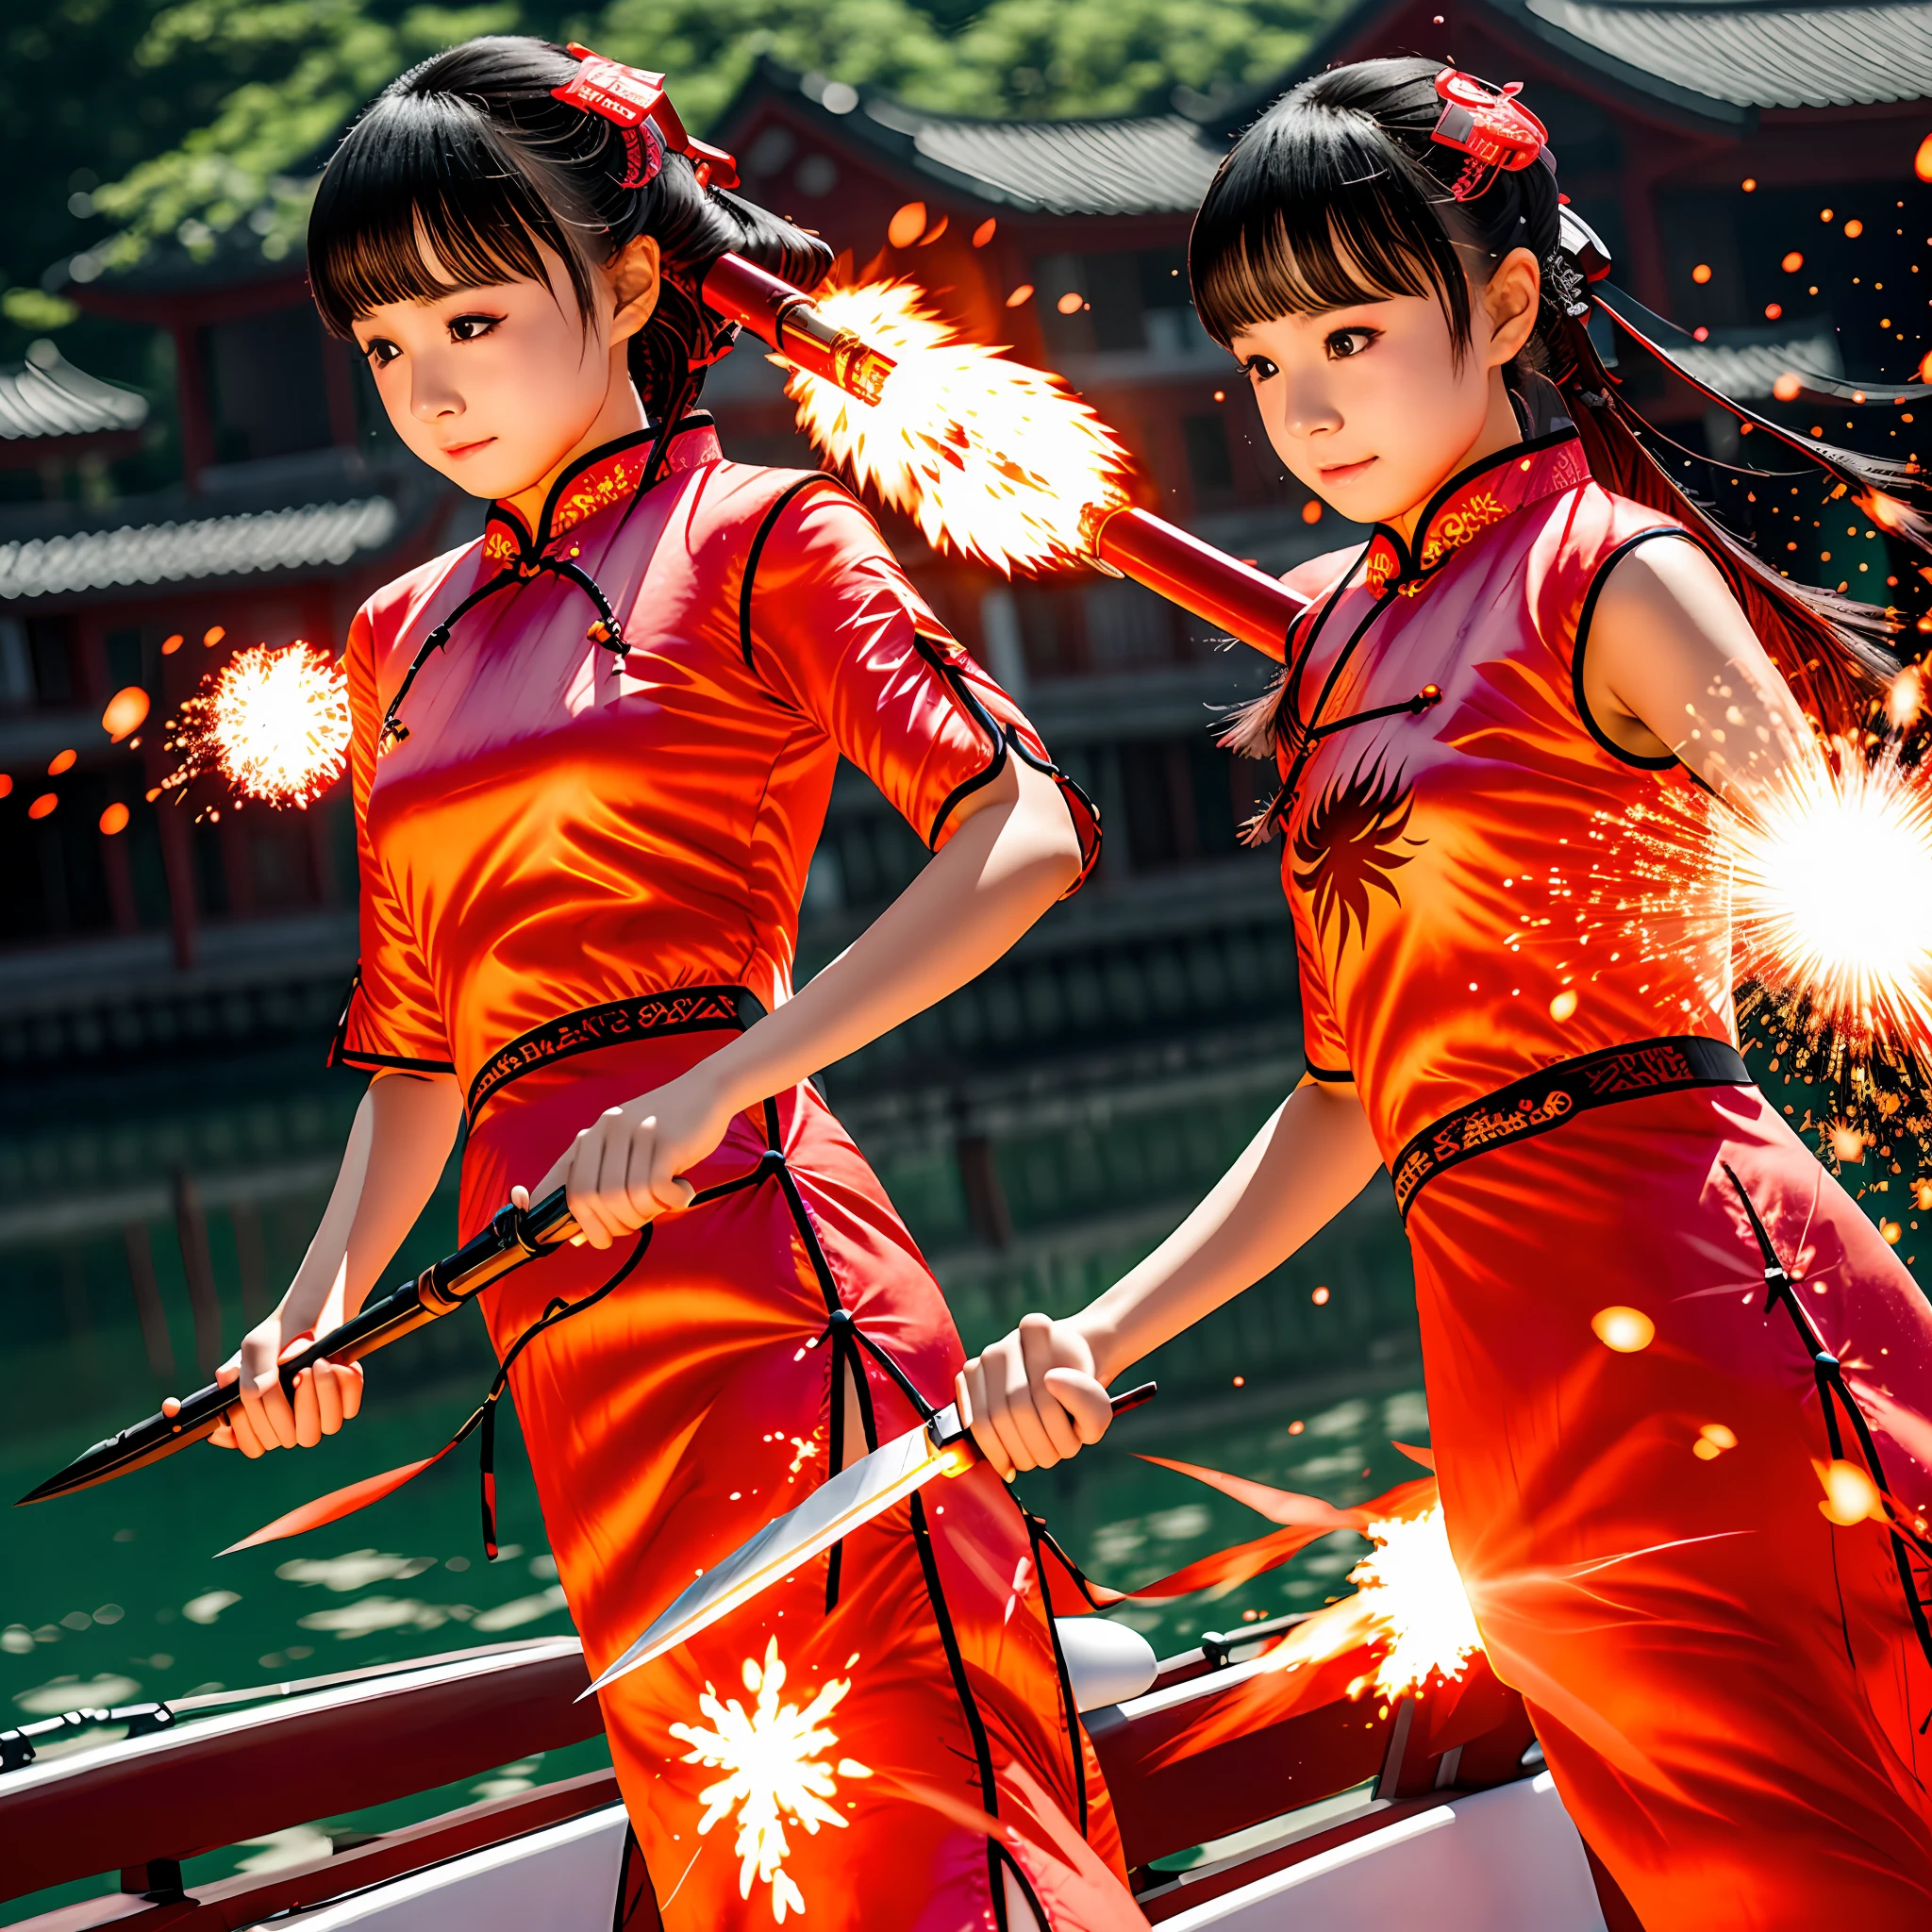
x: 840, y: 1505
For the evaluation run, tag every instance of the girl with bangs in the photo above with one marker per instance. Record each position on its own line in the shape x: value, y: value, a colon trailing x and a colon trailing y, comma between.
x: 592, y: 756
x: 1542, y: 641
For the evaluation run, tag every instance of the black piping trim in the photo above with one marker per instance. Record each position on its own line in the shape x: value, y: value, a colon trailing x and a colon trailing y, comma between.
x: 1310, y: 738
x: 969, y: 701
x: 1011, y: 1864
x: 1514, y: 453
x: 982, y: 1751
x: 1292, y: 674
x: 1035, y: 1530
x: 1829, y: 1378
x: 1071, y: 788
x: 588, y: 460
x: 369, y: 1062
x: 1599, y: 577
x: 1334, y: 1077
x: 778, y: 507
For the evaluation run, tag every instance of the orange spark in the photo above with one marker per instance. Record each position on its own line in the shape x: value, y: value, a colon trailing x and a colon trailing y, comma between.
x: 125, y: 712
x: 993, y: 460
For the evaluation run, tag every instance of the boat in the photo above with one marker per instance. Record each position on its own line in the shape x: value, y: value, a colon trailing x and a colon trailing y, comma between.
x: 1239, y: 1812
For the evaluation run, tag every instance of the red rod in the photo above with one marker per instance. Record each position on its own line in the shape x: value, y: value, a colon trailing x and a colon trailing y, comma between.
x: 1231, y: 595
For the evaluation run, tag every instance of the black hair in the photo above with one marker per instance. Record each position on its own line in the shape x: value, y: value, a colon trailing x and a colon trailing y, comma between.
x: 458, y: 170
x: 1338, y: 194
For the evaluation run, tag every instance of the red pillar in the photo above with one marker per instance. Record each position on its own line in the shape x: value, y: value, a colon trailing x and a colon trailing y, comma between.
x: 194, y: 403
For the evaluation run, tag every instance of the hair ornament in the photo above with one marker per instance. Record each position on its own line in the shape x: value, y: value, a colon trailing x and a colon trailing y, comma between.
x: 1492, y: 128
x: 638, y: 106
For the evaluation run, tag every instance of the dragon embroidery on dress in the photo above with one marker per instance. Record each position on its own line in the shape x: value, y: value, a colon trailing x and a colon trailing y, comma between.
x: 1350, y: 843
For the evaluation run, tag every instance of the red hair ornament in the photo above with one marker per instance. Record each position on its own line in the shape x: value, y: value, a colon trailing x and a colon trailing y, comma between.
x: 1495, y: 129
x: 638, y: 106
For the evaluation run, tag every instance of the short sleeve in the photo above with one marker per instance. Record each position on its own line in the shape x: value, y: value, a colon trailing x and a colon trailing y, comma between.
x: 393, y: 1017
x: 832, y: 625
x: 1323, y: 1052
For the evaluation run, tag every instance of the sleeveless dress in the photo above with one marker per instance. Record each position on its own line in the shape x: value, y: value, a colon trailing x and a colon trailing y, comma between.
x: 1732, y: 1689
x: 580, y: 874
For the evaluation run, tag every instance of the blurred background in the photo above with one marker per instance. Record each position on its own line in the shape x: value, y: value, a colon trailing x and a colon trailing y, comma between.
x: 189, y: 466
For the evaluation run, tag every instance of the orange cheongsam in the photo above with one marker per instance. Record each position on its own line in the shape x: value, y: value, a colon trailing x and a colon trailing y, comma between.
x: 582, y: 854
x: 1732, y: 1688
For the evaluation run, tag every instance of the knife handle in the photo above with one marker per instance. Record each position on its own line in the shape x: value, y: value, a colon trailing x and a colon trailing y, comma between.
x: 946, y: 1427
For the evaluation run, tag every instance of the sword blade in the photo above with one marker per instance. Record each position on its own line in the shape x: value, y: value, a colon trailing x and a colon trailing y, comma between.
x: 838, y: 1506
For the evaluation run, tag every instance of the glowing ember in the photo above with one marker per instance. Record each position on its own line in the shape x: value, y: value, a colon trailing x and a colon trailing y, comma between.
x: 772, y: 1754
x: 1413, y: 1597
x: 125, y: 711
x: 993, y: 460
x: 274, y: 724
x: 1626, y: 1330
x: 1850, y: 1494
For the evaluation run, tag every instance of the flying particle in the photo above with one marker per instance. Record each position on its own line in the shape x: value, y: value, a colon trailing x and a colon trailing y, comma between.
x: 1626, y: 1330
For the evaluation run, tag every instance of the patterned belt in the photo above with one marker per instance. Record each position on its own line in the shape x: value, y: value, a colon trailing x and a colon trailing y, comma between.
x: 642, y: 1016
x: 1534, y: 1105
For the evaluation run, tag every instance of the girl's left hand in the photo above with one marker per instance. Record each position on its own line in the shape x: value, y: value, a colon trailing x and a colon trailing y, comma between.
x: 622, y: 1171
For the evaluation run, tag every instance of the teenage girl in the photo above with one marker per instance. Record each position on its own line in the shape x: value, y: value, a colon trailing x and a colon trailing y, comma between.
x: 592, y: 756
x: 1541, y: 637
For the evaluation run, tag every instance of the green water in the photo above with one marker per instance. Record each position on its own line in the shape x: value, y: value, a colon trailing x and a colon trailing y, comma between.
x: 117, y: 1592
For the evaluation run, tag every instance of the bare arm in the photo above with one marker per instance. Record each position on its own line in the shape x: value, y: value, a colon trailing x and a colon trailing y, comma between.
x: 1040, y: 1393
x: 1014, y: 852
x: 397, y: 1146
x: 1672, y: 664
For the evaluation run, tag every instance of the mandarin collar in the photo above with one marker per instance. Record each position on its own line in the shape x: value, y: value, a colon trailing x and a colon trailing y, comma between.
x: 1473, y: 501
x: 611, y: 474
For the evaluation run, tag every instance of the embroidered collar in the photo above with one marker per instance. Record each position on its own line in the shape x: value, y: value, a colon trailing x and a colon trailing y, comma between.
x: 1471, y: 502
x: 599, y: 478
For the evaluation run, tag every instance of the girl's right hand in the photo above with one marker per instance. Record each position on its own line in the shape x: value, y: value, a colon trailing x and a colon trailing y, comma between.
x: 326, y: 1395
x: 1035, y: 1397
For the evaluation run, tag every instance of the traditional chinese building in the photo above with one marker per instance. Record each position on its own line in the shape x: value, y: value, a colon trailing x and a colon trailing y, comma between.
x: 1750, y: 170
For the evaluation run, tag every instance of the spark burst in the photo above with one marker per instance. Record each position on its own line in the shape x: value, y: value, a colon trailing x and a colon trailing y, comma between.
x: 772, y: 1754
x: 937, y: 444
x: 1410, y: 1602
x: 1414, y: 1599
x: 1826, y: 889
x: 274, y: 724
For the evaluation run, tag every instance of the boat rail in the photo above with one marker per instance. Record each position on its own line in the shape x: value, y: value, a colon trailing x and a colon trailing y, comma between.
x: 1194, y: 1760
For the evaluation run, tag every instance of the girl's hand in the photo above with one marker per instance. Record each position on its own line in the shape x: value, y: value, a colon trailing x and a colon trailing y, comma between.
x: 622, y: 1171
x: 326, y: 1395
x: 1035, y: 1397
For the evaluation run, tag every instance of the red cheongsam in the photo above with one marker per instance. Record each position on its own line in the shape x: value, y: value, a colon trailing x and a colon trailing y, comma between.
x: 1732, y: 1689
x: 581, y: 874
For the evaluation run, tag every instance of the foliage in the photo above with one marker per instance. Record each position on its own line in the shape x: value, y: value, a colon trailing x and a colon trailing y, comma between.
x: 1114, y: 57
x: 240, y: 98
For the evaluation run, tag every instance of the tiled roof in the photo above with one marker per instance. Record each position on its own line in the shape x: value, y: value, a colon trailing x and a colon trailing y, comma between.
x: 1754, y: 55
x: 1134, y: 164
x: 49, y: 398
x: 315, y: 535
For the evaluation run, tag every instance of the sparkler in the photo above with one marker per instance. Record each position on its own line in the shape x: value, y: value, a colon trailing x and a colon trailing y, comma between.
x: 772, y: 1755
x: 1826, y: 885
x: 274, y: 724
x: 993, y: 459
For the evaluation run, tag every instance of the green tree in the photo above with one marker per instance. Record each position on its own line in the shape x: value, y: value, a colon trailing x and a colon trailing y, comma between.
x: 268, y: 83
